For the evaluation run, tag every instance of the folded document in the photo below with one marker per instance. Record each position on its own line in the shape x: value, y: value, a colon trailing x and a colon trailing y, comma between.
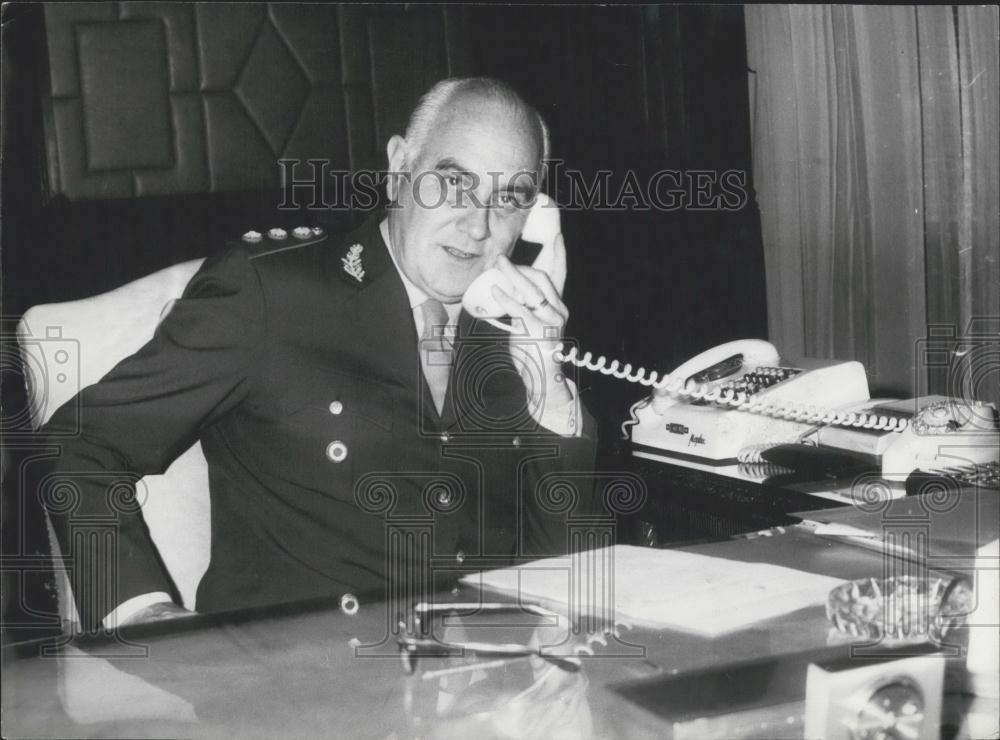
x: 679, y: 590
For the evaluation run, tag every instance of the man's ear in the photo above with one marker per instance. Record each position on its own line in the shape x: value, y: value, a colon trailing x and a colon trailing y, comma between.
x: 396, y: 152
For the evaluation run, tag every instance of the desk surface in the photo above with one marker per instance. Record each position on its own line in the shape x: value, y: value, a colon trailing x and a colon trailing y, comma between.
x: 282, y: 673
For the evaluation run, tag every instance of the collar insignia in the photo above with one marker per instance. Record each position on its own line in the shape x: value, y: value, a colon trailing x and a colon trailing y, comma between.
x: 352, y: 263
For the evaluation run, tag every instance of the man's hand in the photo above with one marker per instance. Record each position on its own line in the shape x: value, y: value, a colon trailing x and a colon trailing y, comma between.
x: 157, y: 613
x: 537, y: 302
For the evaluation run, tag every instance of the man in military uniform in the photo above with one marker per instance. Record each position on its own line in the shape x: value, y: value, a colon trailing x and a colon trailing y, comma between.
x: 356, y: 422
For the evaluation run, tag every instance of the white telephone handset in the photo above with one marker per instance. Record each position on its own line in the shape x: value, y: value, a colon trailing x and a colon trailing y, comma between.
x: 542, y: 226
x: 744, y: 352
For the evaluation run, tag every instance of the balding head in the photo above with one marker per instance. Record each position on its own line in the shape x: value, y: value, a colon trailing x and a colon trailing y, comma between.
x: 483, y: 92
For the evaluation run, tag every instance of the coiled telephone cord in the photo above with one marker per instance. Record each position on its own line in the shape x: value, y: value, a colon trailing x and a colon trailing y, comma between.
x: 800, y: 412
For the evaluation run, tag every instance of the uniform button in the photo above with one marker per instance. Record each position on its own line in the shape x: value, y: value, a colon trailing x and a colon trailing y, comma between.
x: 336, y: 408
x: 301, y: 232
x: 516, y: 441
x: 445, y: 436
x: 252, y: 237
x: 459, y: 557
x: 445, y: 497
x: 336, y: 451
x: 349, y: 604
x: 277, y: 234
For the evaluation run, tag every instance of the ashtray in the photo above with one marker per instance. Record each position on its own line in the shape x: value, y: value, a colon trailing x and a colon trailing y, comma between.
x: 901, y: 608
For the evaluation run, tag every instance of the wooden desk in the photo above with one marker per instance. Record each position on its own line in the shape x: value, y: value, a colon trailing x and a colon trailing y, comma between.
x: 294, y: 672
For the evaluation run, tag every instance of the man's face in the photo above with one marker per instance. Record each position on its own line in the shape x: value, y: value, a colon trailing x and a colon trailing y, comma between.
x: 462, y: 200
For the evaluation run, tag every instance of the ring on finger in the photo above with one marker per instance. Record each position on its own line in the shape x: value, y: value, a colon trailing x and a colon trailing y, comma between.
x: 545, y: 302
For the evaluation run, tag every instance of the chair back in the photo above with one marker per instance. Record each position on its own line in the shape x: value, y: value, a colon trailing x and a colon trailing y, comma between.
x: 68, y: 346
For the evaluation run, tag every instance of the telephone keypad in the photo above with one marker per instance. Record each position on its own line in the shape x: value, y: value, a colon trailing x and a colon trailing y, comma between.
x: 760, y: 379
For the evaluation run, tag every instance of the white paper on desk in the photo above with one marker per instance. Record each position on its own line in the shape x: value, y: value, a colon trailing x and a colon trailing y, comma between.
x: 685, y: 591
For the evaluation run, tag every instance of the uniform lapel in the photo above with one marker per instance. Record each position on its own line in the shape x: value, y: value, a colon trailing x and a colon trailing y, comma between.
x: 381, y: 307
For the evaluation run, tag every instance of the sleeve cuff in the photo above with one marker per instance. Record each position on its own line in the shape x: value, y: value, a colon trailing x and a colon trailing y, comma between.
x: 133, y: 606
x: 563, y: 419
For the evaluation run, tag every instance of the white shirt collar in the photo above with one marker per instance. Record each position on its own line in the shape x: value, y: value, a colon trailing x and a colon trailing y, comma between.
x: 415, y: 295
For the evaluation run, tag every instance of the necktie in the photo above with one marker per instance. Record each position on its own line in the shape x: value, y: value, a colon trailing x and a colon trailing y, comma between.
x: 436, y: 350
